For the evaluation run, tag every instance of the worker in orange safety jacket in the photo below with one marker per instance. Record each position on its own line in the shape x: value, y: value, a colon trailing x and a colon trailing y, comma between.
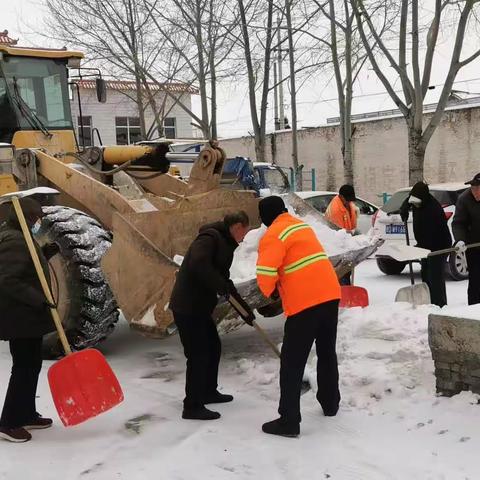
x: 293, y: 262
x: 343, y: 213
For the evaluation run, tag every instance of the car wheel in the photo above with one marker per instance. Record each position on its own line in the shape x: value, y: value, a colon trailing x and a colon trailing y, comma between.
x: 457, y: 266
x: 390, y: 267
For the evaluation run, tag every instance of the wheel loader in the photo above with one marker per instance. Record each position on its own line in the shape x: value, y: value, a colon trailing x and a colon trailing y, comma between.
x: 119, y: 218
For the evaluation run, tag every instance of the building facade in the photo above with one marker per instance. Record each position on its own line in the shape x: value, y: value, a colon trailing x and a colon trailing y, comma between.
x: 380, y: 152
x: 117, y: 121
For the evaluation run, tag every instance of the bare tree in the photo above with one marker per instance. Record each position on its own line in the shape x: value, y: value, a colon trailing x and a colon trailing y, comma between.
x: 338, y: 42
x: 257, y: 56
x: 293, y: 95
x: 115, y: 33
x: 407, y: 66
x: 197, y: 32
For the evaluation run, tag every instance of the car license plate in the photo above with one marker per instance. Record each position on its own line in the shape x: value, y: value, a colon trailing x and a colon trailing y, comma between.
x: 395, y: 229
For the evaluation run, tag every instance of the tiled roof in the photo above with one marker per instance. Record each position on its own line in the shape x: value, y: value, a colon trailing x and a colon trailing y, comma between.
x: 6, y: 40
x: 129, y: 85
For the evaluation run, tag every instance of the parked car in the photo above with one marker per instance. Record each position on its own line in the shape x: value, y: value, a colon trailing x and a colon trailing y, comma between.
x: 321, y: 200
x: 388, y: 225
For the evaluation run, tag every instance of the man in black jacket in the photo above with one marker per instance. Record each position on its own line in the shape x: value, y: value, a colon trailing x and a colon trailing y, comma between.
x: 431, y: 231
x: 25, y: 318
x: 203, y: 276
x: 466, y: 230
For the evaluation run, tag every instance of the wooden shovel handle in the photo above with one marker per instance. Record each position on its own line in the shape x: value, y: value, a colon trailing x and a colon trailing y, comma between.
x: 41, y: 274
x: 267, y: 339
x: 239, y: 308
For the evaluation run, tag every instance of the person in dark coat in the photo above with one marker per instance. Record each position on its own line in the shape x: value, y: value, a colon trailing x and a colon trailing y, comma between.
x: 25, y: 318
x: 431, y: 232
x: 466, y: 230
x: 202, y: 278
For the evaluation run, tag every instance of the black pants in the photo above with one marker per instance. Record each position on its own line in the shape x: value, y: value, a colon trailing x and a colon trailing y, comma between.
x: 19, y: 407
x: 317, y: 324
x: 202, y: 348
x: 473, y: 262
x: 433, y: 274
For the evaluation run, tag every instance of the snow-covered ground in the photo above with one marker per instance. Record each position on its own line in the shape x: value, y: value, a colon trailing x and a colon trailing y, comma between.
x: 391, y: 425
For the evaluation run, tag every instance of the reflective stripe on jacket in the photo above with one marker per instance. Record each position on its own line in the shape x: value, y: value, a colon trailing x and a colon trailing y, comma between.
x: 291, y: 258
x: 338, y: 214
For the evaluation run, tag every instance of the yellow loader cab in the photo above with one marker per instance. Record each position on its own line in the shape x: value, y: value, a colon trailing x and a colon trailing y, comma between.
x: 34, y: 101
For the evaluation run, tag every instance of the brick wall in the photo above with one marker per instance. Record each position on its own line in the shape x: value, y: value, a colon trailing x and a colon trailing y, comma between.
x: 380, y: 152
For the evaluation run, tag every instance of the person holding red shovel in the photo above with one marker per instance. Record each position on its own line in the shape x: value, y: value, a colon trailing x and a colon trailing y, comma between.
x: 292, y: 260
x: 25, y: 318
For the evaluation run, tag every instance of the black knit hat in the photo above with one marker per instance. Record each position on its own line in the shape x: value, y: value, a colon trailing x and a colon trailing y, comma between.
x: 270, y: 208
x: 420, y: 190
x: 347, y: 192
x: 32, y: 210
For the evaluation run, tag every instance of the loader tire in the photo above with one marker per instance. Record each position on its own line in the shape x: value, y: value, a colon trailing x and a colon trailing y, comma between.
x: 85, y: 302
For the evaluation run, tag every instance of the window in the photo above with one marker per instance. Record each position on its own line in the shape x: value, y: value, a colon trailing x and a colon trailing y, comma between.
x: 275, y: 179
x: 364, y: 207
x: 320, y: 202
x: 128, y: 130
x: 169, y: 128
x: 87, y: 138
x: 39, y: 91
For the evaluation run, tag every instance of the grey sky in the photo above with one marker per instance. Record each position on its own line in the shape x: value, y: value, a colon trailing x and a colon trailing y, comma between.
x: 316, y: 100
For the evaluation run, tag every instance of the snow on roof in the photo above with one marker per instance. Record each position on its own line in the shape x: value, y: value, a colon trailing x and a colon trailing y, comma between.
x: 128, y: 85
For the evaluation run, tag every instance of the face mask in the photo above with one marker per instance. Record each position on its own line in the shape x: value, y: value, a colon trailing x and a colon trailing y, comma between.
x: 415, y: 201
x: 35, y: 228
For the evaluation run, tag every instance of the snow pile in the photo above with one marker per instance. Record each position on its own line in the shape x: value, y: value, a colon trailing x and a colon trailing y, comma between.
x: 335, y: 242
x: 383, y: 355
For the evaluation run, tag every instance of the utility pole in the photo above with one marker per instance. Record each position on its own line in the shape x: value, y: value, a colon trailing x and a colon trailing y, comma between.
x: 275, y: 98
x: 280, y: 76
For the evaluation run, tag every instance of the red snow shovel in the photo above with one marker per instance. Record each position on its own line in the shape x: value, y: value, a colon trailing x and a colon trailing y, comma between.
x: 82, y: 384
x: 353, y: 297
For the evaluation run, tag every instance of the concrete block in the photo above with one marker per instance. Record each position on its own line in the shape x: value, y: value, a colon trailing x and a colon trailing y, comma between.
x: 455, y: 346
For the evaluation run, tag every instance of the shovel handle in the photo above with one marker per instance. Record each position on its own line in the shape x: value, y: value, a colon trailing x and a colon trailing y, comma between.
x: 41, y: 274
x: 452, y: 249
x: 410, y: 266
x: 239, y: 308
x: 267, y: 339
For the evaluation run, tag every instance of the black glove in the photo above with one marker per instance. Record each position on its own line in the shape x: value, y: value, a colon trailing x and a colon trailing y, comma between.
x: 405, y: 211
x: 50, y: 305
x: 50, y: 250
x: 242, y: 308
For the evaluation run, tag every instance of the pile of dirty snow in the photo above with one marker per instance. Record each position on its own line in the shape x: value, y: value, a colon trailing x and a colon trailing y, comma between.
x: 335, y: 242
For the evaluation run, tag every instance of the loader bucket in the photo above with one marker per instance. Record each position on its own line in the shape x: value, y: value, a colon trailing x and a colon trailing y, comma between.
x: 139, y: 266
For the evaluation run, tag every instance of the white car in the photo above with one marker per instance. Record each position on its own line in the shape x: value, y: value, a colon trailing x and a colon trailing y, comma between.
x: 321, y: 200
x: 389, y: 226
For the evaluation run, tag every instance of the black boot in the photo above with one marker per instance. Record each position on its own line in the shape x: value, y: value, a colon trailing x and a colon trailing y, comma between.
x: 217, y: 397
x: 199, y: 413
x: 282, y: 428
x: 330, y: 412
